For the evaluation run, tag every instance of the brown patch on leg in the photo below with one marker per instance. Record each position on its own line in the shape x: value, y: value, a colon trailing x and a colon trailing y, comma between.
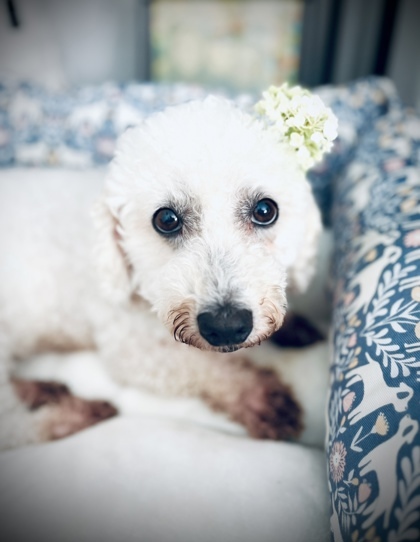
x: 73, y: 414
x: 35, y: 394
x: 65, y: 414
x: 264, y: 405
x: 268, y: 409
x: 296, y: 332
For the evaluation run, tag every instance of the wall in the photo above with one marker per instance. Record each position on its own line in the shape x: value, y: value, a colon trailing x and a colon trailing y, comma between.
x: 341, y: 43
x: 78, y: 41
x: 404, y: 65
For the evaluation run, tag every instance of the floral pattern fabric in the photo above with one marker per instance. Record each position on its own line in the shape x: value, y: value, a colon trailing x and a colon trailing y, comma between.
x: 369, y: 190
x: 357, y: 106
x: 374, y: 405
x: 79, y: 127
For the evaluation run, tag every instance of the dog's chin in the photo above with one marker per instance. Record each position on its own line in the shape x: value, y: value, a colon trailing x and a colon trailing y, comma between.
x: 228, y: 349
x: 200, y: 343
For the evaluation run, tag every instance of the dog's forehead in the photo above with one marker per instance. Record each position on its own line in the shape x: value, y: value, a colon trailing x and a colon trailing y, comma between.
x: 202, y: 133
x: 207, y: 152
x: 210, y: 145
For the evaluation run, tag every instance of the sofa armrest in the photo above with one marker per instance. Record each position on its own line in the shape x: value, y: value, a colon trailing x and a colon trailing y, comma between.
x: 374, y: 407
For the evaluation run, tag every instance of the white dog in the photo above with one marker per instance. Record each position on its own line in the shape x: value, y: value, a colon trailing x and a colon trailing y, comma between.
x: 204, y: 220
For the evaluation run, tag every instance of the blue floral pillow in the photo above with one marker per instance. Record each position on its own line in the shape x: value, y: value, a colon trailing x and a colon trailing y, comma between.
x: 356, y: 105
x: 374, y: 406
x: 78, y: 127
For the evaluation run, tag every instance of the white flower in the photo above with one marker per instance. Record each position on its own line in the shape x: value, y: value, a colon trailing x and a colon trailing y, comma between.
x: 295, y: 102
x: 330, y: 127
x: 296, y: 140
x: 298, y: 120
x: 314, y: 106
x: 301, y: 119
x: 317, y: 138
x: 290, y: 122
x: 281, y: 127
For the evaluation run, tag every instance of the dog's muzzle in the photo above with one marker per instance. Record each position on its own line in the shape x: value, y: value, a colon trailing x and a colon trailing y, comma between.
x: 225, y: 325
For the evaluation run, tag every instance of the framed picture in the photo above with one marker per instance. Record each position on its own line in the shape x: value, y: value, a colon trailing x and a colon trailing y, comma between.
x: 238, y: 44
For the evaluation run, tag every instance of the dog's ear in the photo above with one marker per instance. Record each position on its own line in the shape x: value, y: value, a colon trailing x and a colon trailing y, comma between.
x: 111, y: 262
x: 302, y: 271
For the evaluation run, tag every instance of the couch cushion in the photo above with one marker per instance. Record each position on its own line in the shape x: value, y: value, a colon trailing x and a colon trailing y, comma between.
x: 374, y: 409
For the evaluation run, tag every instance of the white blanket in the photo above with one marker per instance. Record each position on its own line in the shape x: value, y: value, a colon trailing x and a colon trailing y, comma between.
x: 154, y: 480
x: 165, y: 470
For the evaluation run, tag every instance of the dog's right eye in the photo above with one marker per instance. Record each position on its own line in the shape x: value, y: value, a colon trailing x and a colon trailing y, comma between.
x: 265, y: 212
x: 166, y: 221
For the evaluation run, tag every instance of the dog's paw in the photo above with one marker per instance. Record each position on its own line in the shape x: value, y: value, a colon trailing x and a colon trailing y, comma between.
x: 268, y: 409
x: 296, y: 332
x: 35, y: 394
x: 73, y: 414
x: 60, y: 414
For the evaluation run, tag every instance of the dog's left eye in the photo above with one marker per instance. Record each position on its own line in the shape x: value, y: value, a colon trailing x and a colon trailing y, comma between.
x: 265, y: 212
x: 166, y: 221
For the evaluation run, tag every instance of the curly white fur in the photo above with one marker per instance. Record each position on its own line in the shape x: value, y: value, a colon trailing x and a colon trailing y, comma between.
x: 125, y: 289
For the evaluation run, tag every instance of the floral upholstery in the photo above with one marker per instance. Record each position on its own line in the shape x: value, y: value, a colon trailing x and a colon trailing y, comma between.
x: 356, y: 106
x: 369, y: 191
x: 78, y: 127
x: 374, y: 408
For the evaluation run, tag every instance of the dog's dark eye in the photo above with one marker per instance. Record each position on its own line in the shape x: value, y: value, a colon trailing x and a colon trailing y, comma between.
x: 265, y: 212
x: 166, y: 221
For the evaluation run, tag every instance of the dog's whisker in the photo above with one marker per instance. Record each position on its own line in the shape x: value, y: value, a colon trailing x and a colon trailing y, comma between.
x: 182, y: 333
x: 180, y: 315
x: 178, y: 332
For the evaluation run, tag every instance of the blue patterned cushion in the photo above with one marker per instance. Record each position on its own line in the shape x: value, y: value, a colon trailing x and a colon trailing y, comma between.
x: 78, y: 127
x: 356, y: 105
x: 374, y: 407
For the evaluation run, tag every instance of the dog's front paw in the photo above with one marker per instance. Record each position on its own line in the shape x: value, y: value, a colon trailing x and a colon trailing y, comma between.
x: 268, y: 408
x: 34, y: 393
x: 73, y: 414
x: 60, y: 414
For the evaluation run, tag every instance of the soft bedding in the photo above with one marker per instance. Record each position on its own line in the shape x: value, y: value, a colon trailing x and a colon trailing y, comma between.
x: 158, y: 480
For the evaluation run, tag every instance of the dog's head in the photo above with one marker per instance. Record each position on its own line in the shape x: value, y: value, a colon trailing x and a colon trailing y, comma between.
x: 208, y: 218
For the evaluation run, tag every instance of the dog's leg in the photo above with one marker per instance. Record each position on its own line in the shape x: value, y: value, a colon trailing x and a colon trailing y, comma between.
x: 17, y: 425
x: 254, y: 397
x: 32, y: 412
x: 296, y: 332
x: 62, y: 414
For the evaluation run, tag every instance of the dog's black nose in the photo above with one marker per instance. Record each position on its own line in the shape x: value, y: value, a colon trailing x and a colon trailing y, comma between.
x: 225, y: 326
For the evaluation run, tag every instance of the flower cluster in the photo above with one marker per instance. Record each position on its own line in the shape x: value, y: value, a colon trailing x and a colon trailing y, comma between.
x: 338, y: 461
x: 302, y: 119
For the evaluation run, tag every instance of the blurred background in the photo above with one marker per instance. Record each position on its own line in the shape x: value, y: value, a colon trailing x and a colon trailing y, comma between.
x: 240, y: 45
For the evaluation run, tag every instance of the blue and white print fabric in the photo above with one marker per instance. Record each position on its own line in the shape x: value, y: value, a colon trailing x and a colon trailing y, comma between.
x: 357, y: 106
x: 78, y: 127
x: 374, y: 405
